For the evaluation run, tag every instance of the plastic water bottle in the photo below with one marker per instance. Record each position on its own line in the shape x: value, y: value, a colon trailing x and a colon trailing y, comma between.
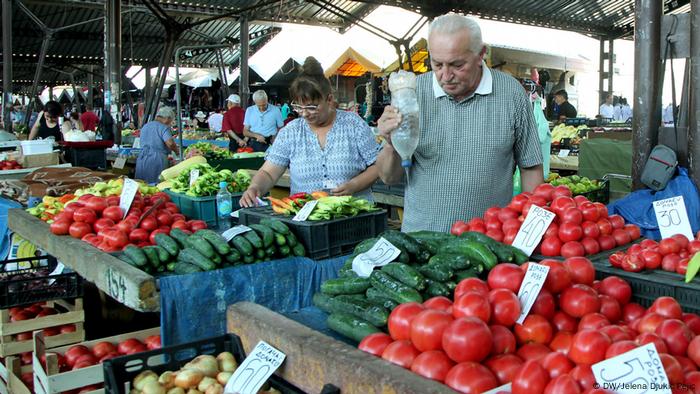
x: 403, y: 96
x: 224, y: 206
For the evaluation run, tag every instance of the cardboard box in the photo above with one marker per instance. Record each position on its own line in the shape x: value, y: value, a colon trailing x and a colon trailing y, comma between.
x: 41, y: 160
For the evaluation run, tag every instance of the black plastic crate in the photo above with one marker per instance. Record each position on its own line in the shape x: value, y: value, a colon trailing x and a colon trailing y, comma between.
x: 647, y: 286
x: 94, y: 159
x: 598, y: 257
x: 121, y: 371
x: 36, y: 284
x: 601, y: 195
x: 328, y: 238
x: 396, y: 190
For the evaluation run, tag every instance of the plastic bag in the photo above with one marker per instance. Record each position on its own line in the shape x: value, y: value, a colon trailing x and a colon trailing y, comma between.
x: 637, y: 207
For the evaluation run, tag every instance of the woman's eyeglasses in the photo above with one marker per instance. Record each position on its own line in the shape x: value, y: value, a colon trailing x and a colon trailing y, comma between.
x: 312, y: 109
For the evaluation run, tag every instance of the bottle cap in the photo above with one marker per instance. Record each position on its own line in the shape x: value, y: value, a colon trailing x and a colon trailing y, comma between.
x: 222, y: 184
x: 406, y: 163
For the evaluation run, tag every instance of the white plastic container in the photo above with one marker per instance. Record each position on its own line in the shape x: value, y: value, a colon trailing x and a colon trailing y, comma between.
x: 37, y: 147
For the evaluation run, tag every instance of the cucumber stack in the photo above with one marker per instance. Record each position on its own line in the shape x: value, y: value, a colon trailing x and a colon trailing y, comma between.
x: 205, y: 250
x: 430, y: 264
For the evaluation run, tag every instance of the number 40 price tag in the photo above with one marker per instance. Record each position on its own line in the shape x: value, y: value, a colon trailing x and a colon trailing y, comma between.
x: 638, y: 371
x: 533, y: 229
x: 672, y: 217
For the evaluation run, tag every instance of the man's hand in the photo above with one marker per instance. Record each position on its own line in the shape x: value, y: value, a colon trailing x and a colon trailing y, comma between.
x: 250, y: 197
x: 241, y: 142
x: 260, y: 139
x: 388, y: 122
x: 346, y: 189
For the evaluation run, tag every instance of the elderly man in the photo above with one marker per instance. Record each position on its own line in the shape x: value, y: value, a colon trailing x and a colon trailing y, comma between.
x: 607, y: 110
x: 476, y: 126
x: 233, y: 123
x: 156, y: 144
x: 262, y: 121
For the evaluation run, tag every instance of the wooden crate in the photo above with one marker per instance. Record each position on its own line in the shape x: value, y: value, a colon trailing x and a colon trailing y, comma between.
x: 74, y: 315
x: 50, y: 381
x: 10, y: 372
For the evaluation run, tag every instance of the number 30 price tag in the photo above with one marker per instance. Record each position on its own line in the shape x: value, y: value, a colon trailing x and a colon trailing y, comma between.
x: 530, y: 288
x: 637, y: 371
x: 533, y: 229
x: 382, y: 253
x: 672, y: 217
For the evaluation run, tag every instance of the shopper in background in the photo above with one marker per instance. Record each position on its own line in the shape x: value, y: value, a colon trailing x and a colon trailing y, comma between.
x: 216, y: 120
x: 625, y: 111
x: 607, y: 110
x: 200, y: 120
x: 261, y: 122
x: 156, y: 143
x: 46, y: 124
x: 72, y: 122
x: 476, y: 126
x: 89, y: 119
x: 325, y: 149
x: 566, y: 110
x: 233, y: 123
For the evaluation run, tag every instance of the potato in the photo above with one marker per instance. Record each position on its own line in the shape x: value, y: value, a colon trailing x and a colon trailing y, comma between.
x: 141, y: 379
x: 176, y: 390
x: 215, y: 389
x: 153, y: 387
x: 188, y: 378
x: 223, y: 377
x: 167, y: 379
x: 205, y: 383
x: 205, y: 364
x: 227, y: 363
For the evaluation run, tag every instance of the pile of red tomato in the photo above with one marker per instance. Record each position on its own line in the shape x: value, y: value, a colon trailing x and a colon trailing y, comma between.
x: 100, y: 222
x: 580, y: 228
x: 670, y: 254
x: 35, y: 311
x: 474, y: 343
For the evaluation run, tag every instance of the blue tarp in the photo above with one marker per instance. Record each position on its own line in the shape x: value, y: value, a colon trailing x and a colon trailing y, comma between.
x: 5, y: 205
x: 221, y: 144
x: 194, y: 306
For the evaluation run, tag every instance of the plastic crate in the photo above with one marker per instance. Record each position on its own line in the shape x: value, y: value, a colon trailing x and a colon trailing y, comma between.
x: 576, y: 121
x: 27, y: 286
x: 324, y: 239
x: 251, y: 163
x: 396, y: 190
x: 202, y: 208
x: 601, y: 195
x: 647, y: 286
x: 92, y: 158
x: 119, y: 372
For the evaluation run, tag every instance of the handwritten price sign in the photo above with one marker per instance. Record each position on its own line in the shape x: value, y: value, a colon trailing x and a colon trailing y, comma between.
x: 305, y: 211
x: 672, y: 217
x: 637, y: 371
x: 381, y: 254
x: 250, y: 376
x: 533, y: 228
x: 530, y: 288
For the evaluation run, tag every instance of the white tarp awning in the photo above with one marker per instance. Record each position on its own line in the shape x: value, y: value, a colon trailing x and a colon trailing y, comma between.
x: 195, y: 77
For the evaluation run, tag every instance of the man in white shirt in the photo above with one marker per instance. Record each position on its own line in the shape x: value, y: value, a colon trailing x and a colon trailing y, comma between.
x: 216, y: 120
x: 606, y: 109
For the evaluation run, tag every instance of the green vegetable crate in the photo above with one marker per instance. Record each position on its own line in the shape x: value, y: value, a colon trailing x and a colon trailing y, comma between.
x: 202, y: 208
x: 328, y: 238
x: 251, y: 163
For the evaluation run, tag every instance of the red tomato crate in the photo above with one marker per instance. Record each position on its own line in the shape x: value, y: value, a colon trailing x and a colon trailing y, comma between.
x: 10, y: 372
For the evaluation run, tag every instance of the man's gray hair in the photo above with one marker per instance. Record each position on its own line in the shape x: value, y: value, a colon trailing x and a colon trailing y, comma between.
x: 259, y: 95
x: 453, y: 23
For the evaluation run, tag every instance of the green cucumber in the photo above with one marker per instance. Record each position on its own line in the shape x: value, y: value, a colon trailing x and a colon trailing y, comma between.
x: 476, y: 252
x: 270, y: 251
x: 201, y: 245
x: 376, y: 297
x: 453, y: 261
x: 192, y: 256
x: 182, y: 268
x: 232, y: 256
x: 339, y: 286
x: 350, y: 326
x: 429, y: 245
x: 467, y: 273
x: 168, y: 243
x: 243, y: 246
x: 254, y: 239
x: 298, y: 250
x: 436, y: 272
x: 123, y: 257
x: 375, y: 315
x: 276, y: 225
x: 405, y: 274
x: 170, y: 266
x: 152, y: 255
x: 519, y: 257
x: 216, y: 259
x: 435, y: 289
x: 179, y: 236
x: 291, y: 240
x: 434, y: 236
x: 364, y: 246
x: 285, y: 251
x: 217, y: 241
x: 394, y: 289
x: 248, y: 259
x: 260, y: 253
x: 402, y: 240
x: 265, y: 232
x: 136, y: 255
x: 163, y: 254
x: 280, y: 239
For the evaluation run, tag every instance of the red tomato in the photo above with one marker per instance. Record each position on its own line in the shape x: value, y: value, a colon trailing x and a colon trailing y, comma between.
x: 85, y: 197
x: 75, y: 352
x: 24, y: 336
x: 552, y: 230
x: 112, y: 201
x: 79, y: 229
x: 97, y: 204
x: 506, y: 276
x: 113, y: 213
x: 496, y: 235
x: 676, y: 335
x: 164, y: 218
x: 470, y: 378
x: 617, y: 288
x: 126, y: 225
x: 558, y: 277
x: 682, y: 267
x: 138, y: 235
x: 375, y: 343
x: 617, y: 221
x: 427, y: 329
x: 505, y: 307
x: 400, y: 320
x: 589, y: 347
x: 85, y: 360
x: 687, y: 364
x: 570, y: 232
x: 491, y: 214
x: 572, y: 249
x: 589, y: 212
x: 102, y: 224
x: 590, y: 246
x: 571, y: 215
x: 544, y: 305
x: 178, y: 216
x: 694, y: 350
x: 440, y: 303
x: 171, y: 207
x: 562, y: 342
x: 583, y: 375
x: 459, y: 227
x: 604, y: 226
x: 619, y: 348
x: 433, y: 364
x: 510, y: 225
x: 621, y: 237
x: 116, y: 239
x: 503, y: 340
x: 109, y: 356
x: 137, y: 349
x: 533, y: 351
x: 197, y: 225
x: 504, y: 367
x: 544, y: 190
x: 649, y: 322
x: 518, y: 202
x: 561, y: 191
x: 560, y: 204
x: 551, y: 246
x: 152, y: 236
x: 606, y: 242
x: 563, y: 384
x: 593, y: 321
x: 532, y: 378
x: 181, y: 224
x: 467, y: 339
x: 564, y: 322
x: 579, y: 300
x: 652, y: 259
x: 472, y: 304
x: 534, y: 329
x: 580, y: 269
x: 506, y: 214
x: 693, y: 247
x: 85, y: 215
x: 668, y: 246
x: 102, y: 348
x: 610, y: 308
x: 602, y: 209
x: 670, y: 262
x: 152, y: 342
x: 633, y: 231
x: 557, y: 364
x: 692, y: 321
x: 72, y: 207
x: 674, y: 370
x: 149, y: 223
x: 667, y: 307
x: 127, y: 345
x: 401, y: 353
x: 60, y: 227
x: 493, y: 225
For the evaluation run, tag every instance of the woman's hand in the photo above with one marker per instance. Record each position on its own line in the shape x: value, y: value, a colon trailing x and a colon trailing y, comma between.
x: 250, y: 197
x: 346, y: 189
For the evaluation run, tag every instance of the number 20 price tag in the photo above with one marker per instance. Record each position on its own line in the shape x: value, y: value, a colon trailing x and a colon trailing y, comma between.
x: 672, y: 217
x: 530, y: 288
x: 638, y: 371
x: 532, y: 230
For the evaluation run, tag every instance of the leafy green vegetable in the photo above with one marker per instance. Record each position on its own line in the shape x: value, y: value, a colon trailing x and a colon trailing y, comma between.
x: 334, y: 207
x: 208, y: 150
x: 208, y: 182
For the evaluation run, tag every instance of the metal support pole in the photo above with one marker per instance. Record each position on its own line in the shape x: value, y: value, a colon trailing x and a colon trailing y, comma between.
x: 7, y: 64
x: 91, y: 86
x: 397, y: 47
x: 647, y: 61
x: 37, y: 74
x: 244, y: 88
x: 601, y: 70
x: 694, y: 129
x: 611, y: 61
x: 113, y: 60
x: 409, y: 57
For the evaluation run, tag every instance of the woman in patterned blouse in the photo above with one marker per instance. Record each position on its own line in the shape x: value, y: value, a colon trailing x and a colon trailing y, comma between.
x: 324, y: 149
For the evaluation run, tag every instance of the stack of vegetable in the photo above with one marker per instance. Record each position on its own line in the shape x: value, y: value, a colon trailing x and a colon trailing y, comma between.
x: 207, y: 184
x: 208, y: 150
x: 205, y: 250
x: 327, y: 208
x: 430, y: 264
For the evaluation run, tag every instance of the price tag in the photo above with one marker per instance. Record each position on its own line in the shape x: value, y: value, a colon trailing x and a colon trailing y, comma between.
x: 137, y: 143
x: 129, y: 190
x: 382, y: 253
x: 250, y: 376
x: 637, y: 371
x: 530, y: 288
x: 672, y: 217
x: 505, y: 389
x: 57, y: 271
x: 564, y: 152
x: 261, y: 203
x: 235, y: 230
x: 194, y: 175
x: 305, y: 211
x: 119, y: 162
x: 532, y: 230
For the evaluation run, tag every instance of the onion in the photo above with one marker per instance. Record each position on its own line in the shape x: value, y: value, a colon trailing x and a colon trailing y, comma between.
x: 194, y: 391
x: 144, y: 377
x: 167, y: 379
x: 188, y: 378
x: 152, y: 387
x: 215, y: 389
x: 205, y: 383
x: 223, y: 377
x: 227, y: 363
x: 205, y: 364
x: 176, y: 390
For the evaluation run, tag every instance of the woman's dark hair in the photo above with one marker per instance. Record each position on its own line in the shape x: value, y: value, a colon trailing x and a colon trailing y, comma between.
x: 74, y: 115
x: 311, y: 85
x: 53, y: 108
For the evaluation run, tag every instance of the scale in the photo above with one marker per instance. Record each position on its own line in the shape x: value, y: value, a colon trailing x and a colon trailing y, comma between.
x: 8, y: 141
